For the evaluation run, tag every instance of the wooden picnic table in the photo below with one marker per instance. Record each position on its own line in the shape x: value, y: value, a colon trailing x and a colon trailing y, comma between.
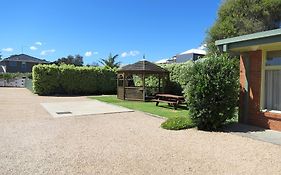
x: 172, y: 100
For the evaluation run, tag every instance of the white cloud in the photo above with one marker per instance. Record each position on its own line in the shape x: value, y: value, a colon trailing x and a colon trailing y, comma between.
x: 33, y: 48
x: 7, y: 49
x: 46, y: 52
x: 131, y: 53
x: 38, y: 43
x: 88, y: 54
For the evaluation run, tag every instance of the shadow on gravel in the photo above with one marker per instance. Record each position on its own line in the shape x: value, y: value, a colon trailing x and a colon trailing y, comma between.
x: 238, y: 127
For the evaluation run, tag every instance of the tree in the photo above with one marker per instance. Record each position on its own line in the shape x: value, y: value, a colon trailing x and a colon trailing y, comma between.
x: 0, y: 56
x: 76, y: 60
x: 93, y: 64
x: 111, y: 61
x: 240, y: 17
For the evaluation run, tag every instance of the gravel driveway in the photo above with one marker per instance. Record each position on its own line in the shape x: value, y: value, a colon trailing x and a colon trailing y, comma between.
x: 33, y: 142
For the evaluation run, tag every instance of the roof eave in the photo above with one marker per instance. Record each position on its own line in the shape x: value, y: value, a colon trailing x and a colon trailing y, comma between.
x: 261, y: 38
x: 253, y: 36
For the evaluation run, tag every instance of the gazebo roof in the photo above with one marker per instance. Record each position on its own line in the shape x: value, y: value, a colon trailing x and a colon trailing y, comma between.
x: 143, y: 66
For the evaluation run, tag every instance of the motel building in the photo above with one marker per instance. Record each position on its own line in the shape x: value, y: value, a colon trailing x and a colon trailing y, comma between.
x: 260, y: 77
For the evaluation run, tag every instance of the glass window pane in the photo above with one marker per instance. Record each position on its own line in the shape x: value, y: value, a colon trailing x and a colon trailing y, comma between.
x: 273, y: 58
x: 13, y: 63
x: 273, y: 90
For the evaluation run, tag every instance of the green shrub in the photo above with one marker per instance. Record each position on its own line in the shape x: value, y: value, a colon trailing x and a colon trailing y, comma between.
x: 71, y: 80
x: 46, y: 79
x: 179, y: 75
x: 177, y: 123
x: 212, y: 91
x: 179, y: 72
x: 8, y: 76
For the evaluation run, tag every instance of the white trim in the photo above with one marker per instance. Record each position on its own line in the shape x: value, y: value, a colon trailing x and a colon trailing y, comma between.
x: 263, y: 69
x: 262, y: 94
x: 272, y: 67
x: 273, y: 111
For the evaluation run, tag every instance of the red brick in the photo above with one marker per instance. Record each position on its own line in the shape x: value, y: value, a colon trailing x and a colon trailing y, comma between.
x: 255, y: 116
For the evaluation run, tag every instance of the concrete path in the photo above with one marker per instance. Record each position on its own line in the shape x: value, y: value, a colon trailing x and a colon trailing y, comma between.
x: 80, y: 108
x: 256, y: 133
x: 34, y: 142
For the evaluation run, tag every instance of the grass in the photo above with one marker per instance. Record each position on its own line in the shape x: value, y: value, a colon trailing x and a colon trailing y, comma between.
x: 176, y: 119
x: 177, y: 123
x: 163, y: 109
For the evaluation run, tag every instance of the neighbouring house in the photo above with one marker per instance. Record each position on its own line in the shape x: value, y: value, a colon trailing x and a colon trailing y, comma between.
x: 192, y: 54
x: 163, y: 61
x: 21, y: 63
x: 260, y: 77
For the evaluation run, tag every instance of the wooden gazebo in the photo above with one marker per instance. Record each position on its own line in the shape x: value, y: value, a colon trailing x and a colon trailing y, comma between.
x: 131, y: 81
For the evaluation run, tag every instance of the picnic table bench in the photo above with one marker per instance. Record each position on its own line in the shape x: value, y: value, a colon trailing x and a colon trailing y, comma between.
x: 172, y: 100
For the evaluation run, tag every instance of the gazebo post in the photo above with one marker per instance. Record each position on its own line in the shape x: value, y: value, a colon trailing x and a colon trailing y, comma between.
x: 159, y: 82
x: 124, y: 84
x: 143, y: 86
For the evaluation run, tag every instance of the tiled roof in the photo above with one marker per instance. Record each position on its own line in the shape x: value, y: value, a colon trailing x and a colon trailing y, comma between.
x: 26, y: 58
x: 143, y: 66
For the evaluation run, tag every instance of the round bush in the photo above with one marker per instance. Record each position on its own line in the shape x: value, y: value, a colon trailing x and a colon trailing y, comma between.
x: 212, y: 91
x: 177, y: 123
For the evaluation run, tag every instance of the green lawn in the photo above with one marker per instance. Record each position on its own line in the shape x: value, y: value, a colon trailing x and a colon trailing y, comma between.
x: 163, y: 109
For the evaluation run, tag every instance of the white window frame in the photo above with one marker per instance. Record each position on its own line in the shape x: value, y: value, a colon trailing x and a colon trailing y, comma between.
x: 263, y: 69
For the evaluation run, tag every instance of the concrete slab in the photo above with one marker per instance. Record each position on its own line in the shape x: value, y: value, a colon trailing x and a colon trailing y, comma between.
x: 79, y: 108
x: 256, y: 133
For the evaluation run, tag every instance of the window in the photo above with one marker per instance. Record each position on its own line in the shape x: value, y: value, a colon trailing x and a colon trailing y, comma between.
x: 273, y: 58
x: 12, y: 63
x: 273, y: 81
x: 23, y: 66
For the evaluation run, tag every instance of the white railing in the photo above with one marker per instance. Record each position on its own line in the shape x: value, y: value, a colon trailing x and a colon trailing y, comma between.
x: 15, y: 82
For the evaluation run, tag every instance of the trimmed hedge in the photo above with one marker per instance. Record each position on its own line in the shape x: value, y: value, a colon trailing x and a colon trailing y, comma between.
x: 212, y: 91
x: 179, y: 76
x: 71, y: 80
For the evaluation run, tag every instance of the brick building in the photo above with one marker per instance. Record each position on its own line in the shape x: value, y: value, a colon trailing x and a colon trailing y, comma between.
x: 260, y: 77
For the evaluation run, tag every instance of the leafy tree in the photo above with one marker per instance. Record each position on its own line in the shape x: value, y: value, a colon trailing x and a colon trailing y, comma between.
x: 240, y: 17
x: 111, y: 61
x: 76, y: 60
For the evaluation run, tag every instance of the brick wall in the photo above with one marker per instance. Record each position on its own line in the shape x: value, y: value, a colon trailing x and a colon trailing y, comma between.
x: 251, y: 71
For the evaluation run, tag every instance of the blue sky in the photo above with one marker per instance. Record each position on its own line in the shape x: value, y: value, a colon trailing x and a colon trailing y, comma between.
x: 51, y: 29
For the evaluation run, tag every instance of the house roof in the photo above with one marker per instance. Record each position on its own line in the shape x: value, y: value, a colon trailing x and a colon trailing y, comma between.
x: 260, y: 38
x: 195, y: 51
x: 162, y: 61
x: 143, y: 66
x: 25, y: 58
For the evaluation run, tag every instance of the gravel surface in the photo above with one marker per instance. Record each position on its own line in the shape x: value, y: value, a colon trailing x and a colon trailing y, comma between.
x: 33, y: 142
